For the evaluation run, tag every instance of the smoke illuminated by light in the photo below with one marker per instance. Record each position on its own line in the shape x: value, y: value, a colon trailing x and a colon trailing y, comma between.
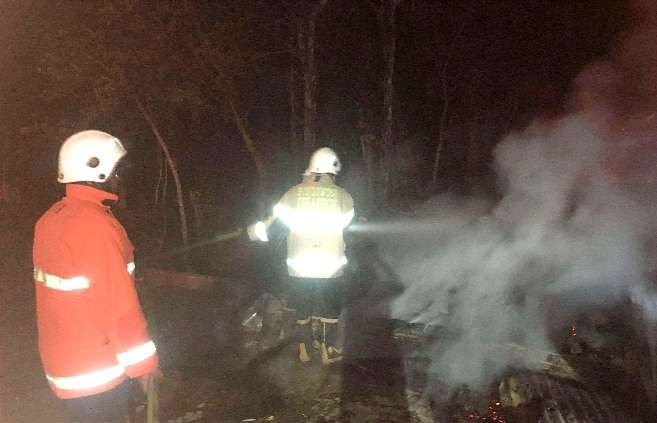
x: 571, y: 231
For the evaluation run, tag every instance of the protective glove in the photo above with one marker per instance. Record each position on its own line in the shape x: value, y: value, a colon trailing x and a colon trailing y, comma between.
x: 257, y: 232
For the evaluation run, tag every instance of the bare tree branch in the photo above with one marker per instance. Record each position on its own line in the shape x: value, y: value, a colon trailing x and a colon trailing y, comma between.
x: 174, y: 171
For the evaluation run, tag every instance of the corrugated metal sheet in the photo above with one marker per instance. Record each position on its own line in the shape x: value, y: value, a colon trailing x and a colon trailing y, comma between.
x: 564, y: 401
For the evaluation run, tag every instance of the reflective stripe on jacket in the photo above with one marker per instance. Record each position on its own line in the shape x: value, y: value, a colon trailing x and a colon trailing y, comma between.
x: 92, y: 333
x: 316, y: 212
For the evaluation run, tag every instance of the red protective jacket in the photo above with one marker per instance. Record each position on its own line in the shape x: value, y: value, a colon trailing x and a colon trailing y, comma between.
x: 92, y: 333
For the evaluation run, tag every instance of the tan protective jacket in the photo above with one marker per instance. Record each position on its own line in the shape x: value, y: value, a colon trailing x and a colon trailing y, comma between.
x: 316, y: 211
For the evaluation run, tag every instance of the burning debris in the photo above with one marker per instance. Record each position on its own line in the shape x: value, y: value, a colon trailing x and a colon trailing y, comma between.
x: 540, y: 397
x: 553, y: 392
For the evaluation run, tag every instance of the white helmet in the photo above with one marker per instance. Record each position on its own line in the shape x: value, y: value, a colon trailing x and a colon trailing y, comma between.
x: 89, y: 156
x: 324, y: 160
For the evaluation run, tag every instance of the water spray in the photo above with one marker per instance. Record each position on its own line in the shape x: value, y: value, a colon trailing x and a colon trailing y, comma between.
x: 412, y: 226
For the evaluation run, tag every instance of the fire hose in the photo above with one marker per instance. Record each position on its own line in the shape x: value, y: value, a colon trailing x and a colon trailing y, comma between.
x: 215, y: 239
x: 232, y: 235
x: 152, y: 400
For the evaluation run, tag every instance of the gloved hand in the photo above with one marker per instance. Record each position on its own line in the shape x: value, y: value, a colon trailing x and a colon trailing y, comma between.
x: 257, y: 232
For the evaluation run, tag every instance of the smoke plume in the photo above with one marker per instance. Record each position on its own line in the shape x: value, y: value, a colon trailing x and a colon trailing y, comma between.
x: 572, y: 230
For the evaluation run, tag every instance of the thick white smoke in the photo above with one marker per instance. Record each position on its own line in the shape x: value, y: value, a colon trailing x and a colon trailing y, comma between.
x: 573, y: 228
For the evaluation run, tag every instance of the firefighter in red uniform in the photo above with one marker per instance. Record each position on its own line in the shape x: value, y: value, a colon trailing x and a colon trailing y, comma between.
x: 92, y: 333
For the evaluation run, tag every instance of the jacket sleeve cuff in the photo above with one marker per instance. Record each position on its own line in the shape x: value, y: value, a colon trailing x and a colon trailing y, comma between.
x: 148, y: 366
x: 139, y: 360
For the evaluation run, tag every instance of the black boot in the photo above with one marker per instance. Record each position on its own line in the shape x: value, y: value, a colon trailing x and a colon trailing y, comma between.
x: 331, y: 352
x: 289, y: 323
x: 272, y: 323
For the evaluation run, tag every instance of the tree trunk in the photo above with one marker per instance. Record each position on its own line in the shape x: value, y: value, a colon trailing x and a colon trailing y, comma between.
x: 441, y: 130
x: 255, y: 155
x: 295, y: 147
x: 301, y: 55
x: 390, y: 47
x: 309, y: 84
x: 472, y: 158
x: 4, y: 183
x: 174, y: 172
x: 387, y: 27
x: 306, y: 41
x: 367, y: 142
x: 161, y: 189
x: 248, y: 142
x: 195, y: 201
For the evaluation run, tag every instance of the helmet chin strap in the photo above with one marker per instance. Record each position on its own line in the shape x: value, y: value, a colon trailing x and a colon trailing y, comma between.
x: 111, y: 185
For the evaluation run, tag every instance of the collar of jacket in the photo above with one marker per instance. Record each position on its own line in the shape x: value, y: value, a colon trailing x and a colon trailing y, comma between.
x: 87, y: 193
x: 322, y: 178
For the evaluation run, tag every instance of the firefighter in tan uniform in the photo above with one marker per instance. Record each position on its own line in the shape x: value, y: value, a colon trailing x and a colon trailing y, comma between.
x: 315, y: 214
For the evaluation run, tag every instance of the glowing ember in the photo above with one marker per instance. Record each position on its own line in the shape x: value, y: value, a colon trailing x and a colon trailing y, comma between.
x: 491, y: 417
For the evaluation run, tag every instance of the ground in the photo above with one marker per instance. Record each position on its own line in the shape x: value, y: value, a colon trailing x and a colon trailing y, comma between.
x: 208, y: 379
x: 24, y: 395
x: 214, y: 371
